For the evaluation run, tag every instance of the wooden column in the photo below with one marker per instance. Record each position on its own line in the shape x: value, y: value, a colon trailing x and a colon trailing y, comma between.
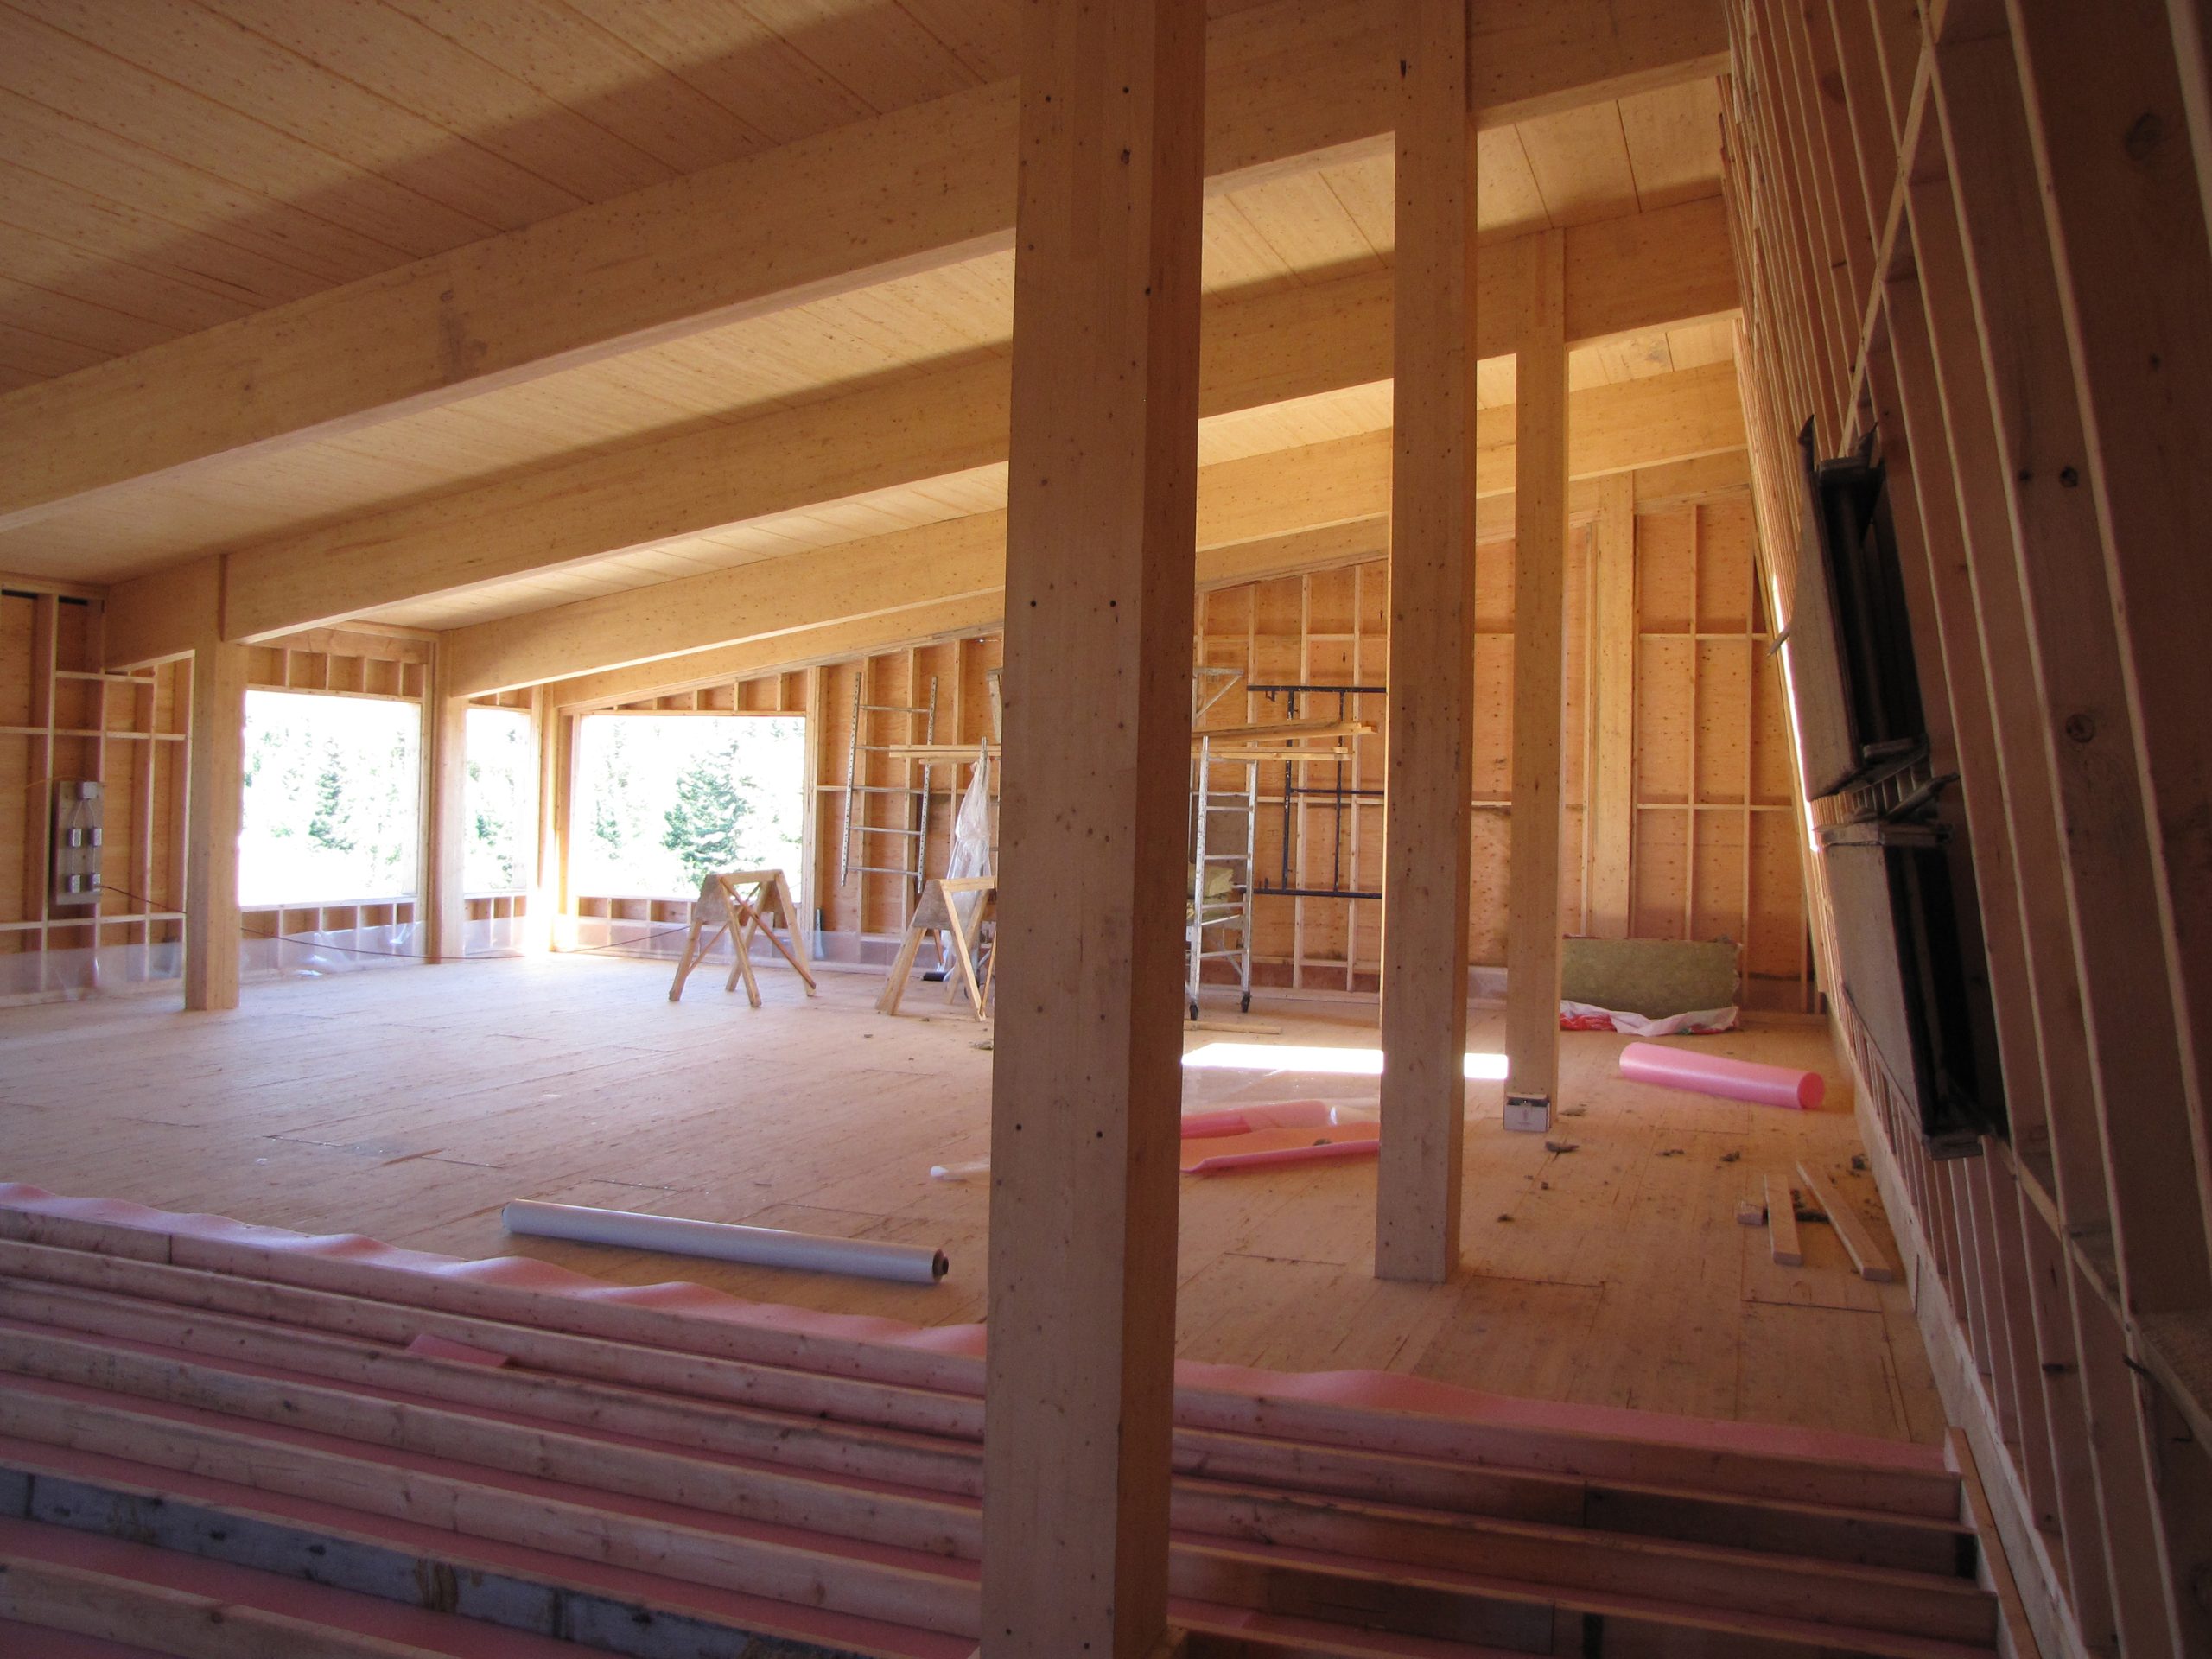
x: 541, y: 874
x: 216, y: 782
x: 2157, y: 1209
x: 1532, y: 924
x: 1612, y: 696
x: 1429, y: 786
x: 440, y: 905
x: 1102, y: 505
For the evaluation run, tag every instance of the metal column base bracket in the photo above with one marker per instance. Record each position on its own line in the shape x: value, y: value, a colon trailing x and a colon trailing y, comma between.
x: 1531, y: 1114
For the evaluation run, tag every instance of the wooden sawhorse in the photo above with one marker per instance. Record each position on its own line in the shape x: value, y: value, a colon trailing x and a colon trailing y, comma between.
x: 939, y: 912
x: 725, y: 904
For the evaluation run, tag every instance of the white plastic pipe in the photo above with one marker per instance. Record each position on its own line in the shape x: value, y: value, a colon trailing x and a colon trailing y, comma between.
x: 765, y: 1247
x: 1716, y: 1074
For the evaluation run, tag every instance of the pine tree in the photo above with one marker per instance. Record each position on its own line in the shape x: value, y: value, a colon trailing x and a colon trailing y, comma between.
x: 614, y: 782
x: 327, y: 827
x: 703, y: 825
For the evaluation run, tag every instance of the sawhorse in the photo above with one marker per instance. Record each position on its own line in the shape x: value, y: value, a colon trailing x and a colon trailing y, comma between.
x: 940, y: 911
x: 725, y: 906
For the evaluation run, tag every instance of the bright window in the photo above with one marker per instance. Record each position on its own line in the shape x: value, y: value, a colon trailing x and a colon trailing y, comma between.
x: 662, y: 799
x: 332, y: 799
x: 497, y: 802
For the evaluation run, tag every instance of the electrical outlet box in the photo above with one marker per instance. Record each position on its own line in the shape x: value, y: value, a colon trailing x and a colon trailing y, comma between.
x: 74, y: 851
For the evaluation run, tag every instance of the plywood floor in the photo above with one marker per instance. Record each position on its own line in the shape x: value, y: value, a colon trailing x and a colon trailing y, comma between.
x: 411, y: 1104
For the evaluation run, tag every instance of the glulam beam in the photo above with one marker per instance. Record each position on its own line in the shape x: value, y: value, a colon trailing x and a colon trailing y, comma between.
x: 1641, y: 271
x: 1688, y: 415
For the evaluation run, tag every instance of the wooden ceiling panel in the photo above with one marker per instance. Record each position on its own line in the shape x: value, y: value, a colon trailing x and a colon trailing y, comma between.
x: 1294, y: 424
x: 223, y: 60
x: 1697, y: 344
x: 85, y: 158
x: 1306, y: 224
x: 471, y: 97
x: 734, y: 59
x: 1673, y: 142
x: 1624, y: 357
x: 1237, y: 253
x: 41, y: 63
x: 582, y: 65
x: 984, y: 34
x: 1507, y: 201
x: 63, y: 316
x: 1366, y: 189
x: 117, y: 255
x: 1580, y: 161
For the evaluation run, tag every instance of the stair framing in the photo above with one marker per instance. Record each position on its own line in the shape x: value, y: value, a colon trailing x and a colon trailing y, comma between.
x: 637, y: 1480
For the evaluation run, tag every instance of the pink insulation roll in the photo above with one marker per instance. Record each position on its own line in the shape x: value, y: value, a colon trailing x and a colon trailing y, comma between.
x: 1715, y: 1074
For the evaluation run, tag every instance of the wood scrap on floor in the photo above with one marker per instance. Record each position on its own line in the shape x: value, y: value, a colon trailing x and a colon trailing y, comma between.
x: 1781, y: 1225
x: 1866, y: 1255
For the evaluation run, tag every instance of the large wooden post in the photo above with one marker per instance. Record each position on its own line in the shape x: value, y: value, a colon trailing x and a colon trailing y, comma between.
x: 541, y: 877
x: 1613, y: 696
x: 1429, y: 787
x: 215, y: 784
x: 1532, y: 926
x: 1102, y: 509
x: 439, y: 903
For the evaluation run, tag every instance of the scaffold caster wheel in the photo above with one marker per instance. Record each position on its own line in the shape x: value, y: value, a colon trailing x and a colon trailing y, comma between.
x: 1246, y: 1006
x: 1194, y: 1007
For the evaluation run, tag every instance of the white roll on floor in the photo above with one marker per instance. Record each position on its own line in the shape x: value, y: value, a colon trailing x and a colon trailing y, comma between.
x: 767, y: 1247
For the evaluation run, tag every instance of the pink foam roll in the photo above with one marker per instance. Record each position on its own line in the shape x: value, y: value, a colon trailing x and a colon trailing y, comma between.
x: 1715, y: 1074
x: 1245, y: 1120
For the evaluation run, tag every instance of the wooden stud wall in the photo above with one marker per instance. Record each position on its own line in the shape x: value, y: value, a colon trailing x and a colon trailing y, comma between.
x: 1974, y: 233
x: 1708, y: 707
x: 61, y: 718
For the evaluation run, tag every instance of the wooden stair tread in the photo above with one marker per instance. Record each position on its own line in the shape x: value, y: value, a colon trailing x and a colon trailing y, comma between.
x: 1926, y: 1491
x: 46, y: 1642
x: 929, y: 1463
x: 69, y: 1474
x: 1240, y: 1514
x: 133, y: 1590
x: 798, y: 1475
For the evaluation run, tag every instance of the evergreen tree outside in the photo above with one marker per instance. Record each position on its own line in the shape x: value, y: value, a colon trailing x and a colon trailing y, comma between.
x: 499, y: 764
x: 606, y: 826
x: 703, y: 826
x: 629, y: 768
x: 325, y: 827
x: 330, y: 801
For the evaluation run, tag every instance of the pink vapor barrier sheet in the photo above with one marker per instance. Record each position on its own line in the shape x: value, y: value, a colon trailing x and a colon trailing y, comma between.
x: 1715, y: 1074
x: 1245, y: 1120
x: 1214, y: 1155
x: 1395, y: 1410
